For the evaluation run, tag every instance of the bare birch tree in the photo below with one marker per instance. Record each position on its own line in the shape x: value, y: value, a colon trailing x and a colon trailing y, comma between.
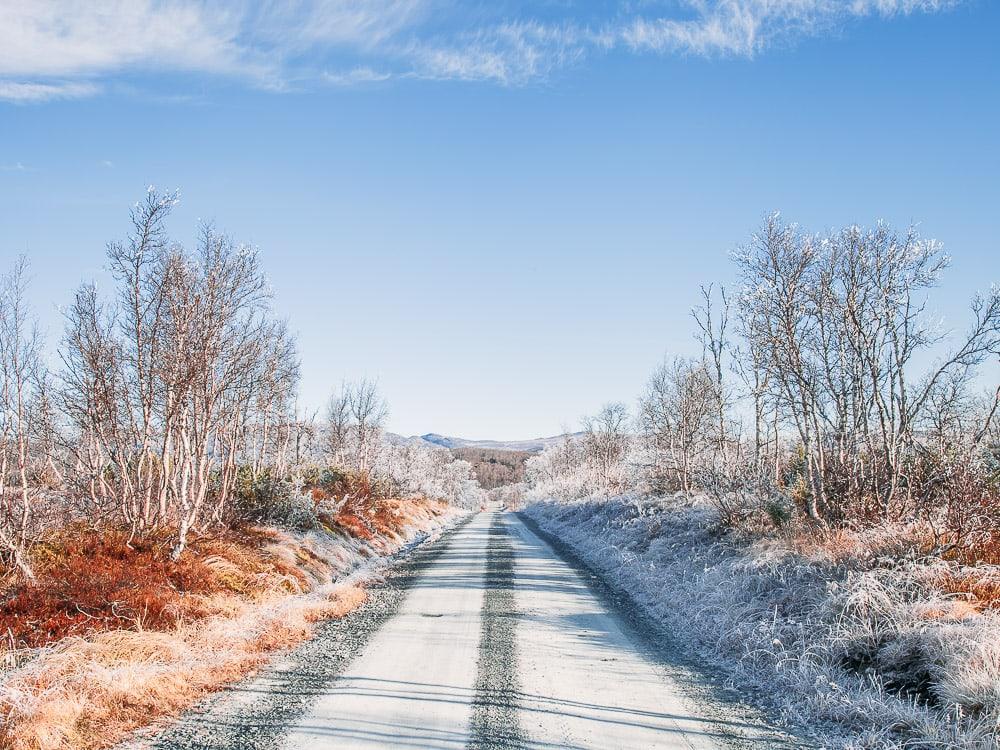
x: 836, y: 323
x: 677, y: 414
x: 369, y: 413
x: 338, y: 426
x: 184, y: 375
x: 606, y: 441
x: 23, y: 404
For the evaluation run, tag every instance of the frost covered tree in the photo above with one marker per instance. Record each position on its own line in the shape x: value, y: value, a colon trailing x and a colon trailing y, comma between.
x: 338, y: 426
x: 606, y: 441
x: 180, y: 377
x: 356, y: 417
x: 25, y: 420
x: 829, y: 339
x: 838, y: 322
x: 414, y: 469
x: 369, y: 412
x: 677, y: 415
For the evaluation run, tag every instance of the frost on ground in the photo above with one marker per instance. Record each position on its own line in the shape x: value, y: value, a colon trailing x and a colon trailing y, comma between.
x: 850, y: 638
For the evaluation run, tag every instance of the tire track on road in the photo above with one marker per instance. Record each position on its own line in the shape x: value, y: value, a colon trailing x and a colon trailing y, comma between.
x: 495, y: 718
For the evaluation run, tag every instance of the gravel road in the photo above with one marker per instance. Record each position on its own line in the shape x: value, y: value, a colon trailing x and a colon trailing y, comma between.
x: 485, y: 638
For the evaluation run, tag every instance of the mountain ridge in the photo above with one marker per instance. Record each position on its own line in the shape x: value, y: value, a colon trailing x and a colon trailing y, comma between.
x: 534, y: 445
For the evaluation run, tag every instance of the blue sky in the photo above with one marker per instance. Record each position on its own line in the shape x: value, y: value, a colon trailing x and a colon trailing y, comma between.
x: 501, y: 211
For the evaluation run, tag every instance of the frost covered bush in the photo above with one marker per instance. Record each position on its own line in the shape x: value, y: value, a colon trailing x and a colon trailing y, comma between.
x: 745, y: 496
x: 353, y: 440
x: 560, y: 471
x: 852, y: 637
x: 414, y: 469
x: 568, y: 471
x: 273, y: 500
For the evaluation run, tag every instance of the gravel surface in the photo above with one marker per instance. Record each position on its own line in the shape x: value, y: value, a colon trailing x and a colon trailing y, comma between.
x: 254, y: 714
x: 495, y: 705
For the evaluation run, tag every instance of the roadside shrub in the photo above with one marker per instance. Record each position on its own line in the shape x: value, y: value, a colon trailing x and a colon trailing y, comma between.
x: 327, y: 478
x: 960, y: 500
x: 746, y: 497
x: 275, y: 500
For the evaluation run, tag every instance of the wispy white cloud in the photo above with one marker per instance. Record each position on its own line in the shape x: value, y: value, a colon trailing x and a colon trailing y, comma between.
x: 893, y: 7
x: 355, y: 76
x: 26, y: 92
x: 74, y: 37
x: 299, y: 25
x: 746, y: 27
x: 509, y: 53
x: 513, y: 53
x: 66, y: 48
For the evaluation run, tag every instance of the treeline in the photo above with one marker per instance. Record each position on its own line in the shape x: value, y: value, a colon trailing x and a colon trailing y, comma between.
x: 354, y: 439
x: 494, y: 468
x: 812, y: 398
x: 173, y: 402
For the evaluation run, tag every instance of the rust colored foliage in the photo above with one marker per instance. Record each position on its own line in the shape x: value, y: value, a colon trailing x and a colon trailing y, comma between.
x: 981, y: 585
x: 362, y: 507
x: 354, y: 524
x: 95, y: 580
x: 89, y: 581
x: 964, y: 500
x: 382, y: 517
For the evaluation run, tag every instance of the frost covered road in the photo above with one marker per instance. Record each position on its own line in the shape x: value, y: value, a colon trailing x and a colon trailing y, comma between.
x: 489, y: 639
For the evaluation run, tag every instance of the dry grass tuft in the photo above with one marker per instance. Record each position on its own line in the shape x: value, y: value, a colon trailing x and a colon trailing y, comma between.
x: 981, y: 584
x: 91, y: 692
x: 857, y: 547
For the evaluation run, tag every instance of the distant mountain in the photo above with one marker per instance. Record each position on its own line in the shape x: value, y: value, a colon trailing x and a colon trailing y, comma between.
x: 532, y: 446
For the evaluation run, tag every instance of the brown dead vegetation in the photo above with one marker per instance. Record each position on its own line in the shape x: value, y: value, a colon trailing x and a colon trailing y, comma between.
x: 979, y: 585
